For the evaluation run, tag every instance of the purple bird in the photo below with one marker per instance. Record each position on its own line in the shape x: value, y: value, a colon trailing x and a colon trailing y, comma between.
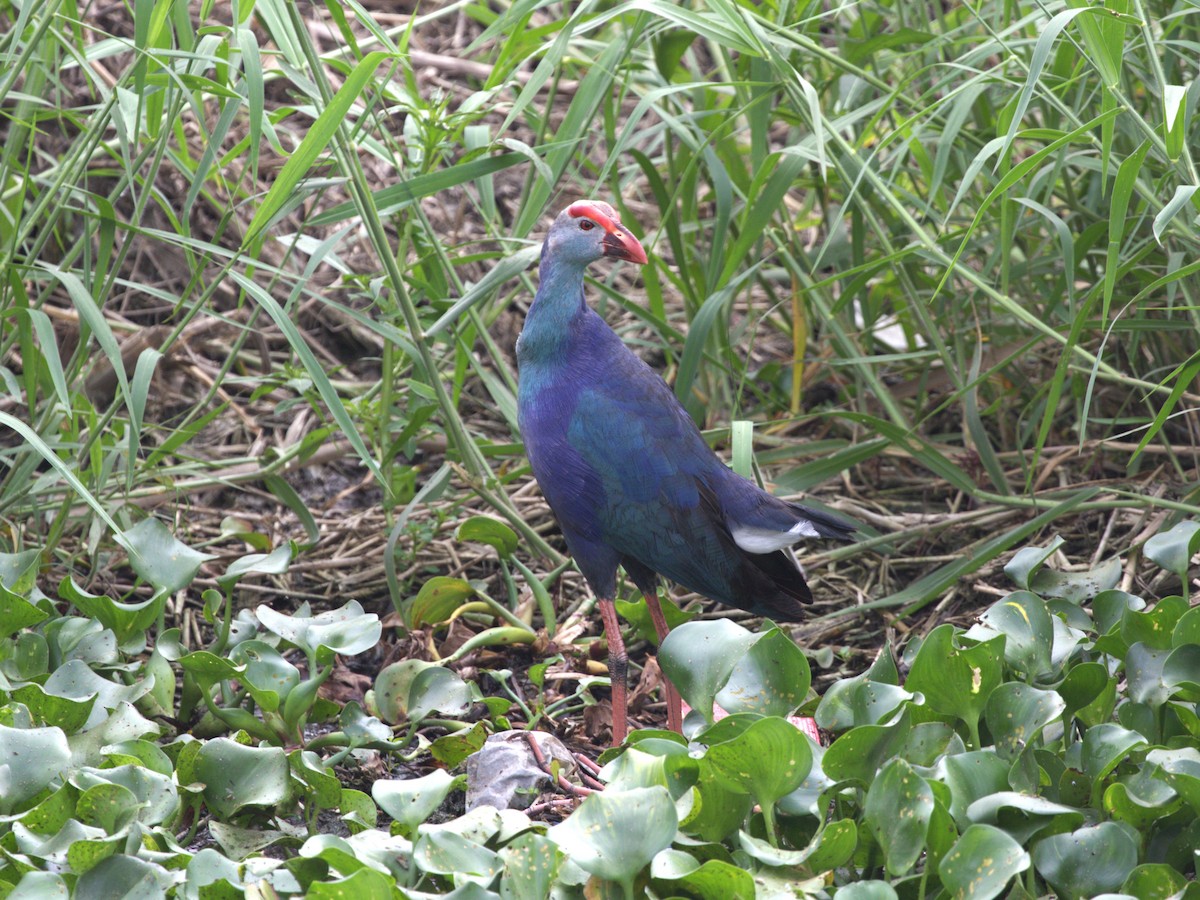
x: 625, y: 469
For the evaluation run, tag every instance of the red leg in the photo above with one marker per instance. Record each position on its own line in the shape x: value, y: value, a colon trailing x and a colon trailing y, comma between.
x: 618, y: 668
x: 674, y: 703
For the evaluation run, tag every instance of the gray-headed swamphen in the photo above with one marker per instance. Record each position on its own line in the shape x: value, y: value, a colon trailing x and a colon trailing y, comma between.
x: 625, y: 469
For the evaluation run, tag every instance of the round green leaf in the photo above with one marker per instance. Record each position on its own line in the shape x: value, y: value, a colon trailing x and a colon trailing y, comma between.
x: 1156, y: 627
x: 32, y: 758
x: 1088, y: 861
x: 274, y: 563
x: 531, y: 863
x: 414, y: 800
x: 866, y: 890
x: 486, y: 530
x: 1022, y: 815
x: 1083, y: 684
x: 127, y: 877
x: 859, y: 753
x: 1174, y: 549
x: 438, y: 690
x: 1181, y: 671
x: 858, y: 701
x: 347, y: 630
x: 699, y: 657
x: 1181, y: 770
x: 768, y: 760
x: 981, y: 863
x: 108, y: 806
x: 1154, y: 881
x: 1017, y: 713
x: 393, y: 685
x: 268, y: 676
x: 159, y: 558
x: 1104, y: 746
x: 437, y: 600
x: 616, y: 835
x: 899, y: 804
x: 447, y: 853
x: 971, y: 776
x: 771, y: 679
x: 1023, y: 619
x: 715, y: 878
x: 236, y: 776
x: 956, y: 681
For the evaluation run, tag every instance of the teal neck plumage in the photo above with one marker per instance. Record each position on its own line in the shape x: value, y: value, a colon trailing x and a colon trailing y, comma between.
x: 556, y: 305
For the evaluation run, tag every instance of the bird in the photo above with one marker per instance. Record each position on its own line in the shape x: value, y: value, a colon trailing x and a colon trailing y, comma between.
x: 625, y: 470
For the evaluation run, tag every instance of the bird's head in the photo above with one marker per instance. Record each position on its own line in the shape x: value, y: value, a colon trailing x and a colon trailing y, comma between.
x: 588, y: 230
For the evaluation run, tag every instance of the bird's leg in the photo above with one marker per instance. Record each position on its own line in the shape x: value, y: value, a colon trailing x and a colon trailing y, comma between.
x: 618, y: 668
x: 674, y: 703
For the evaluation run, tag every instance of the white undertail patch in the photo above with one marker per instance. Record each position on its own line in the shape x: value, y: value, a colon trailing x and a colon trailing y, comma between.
x: 754, y: 539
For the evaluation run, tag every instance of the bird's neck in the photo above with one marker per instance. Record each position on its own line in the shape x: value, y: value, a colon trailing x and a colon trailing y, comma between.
x: 553, y: 318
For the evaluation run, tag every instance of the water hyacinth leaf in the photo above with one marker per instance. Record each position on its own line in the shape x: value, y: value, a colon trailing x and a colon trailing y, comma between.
x: 970, y: 776
x: 1023, y: 815
x: 124, y: 876
x: 1105, y: 746
x: 363, y: 884
x: 531, y: 864
x: 866, y: 890
x: 673, y: 768
x: 1144, y: 671
x: 699, y: 657
x: 1088, y: 861
x: 768, y: 760
x: 858, y: 701
x: 347, y: 630
x: 68, y: 713
x: 358, y: 810
x: 452, y: 749
x: 1026, y: 562
x: 956, y: 680
x: 772, y: 678
x: 438, y: 690
x: 208, y: 668
x: 713, y: 878
x: 981, y: 863
x: 1083, y: 684
x: 1023, y: 619
x: 161, y: 559
x: 33, y: 757
x: 447, y: 853
x: 1016, y: 714
x: 414, y: 800
x: 16, y: 613
x: 1173, y: 550
x: 1155, y: 880
x: 1138, y: 810
x: 718, y: 810
x: 1187, y: 629
x: 1155, y: 628
x: 486, y: 530
x: 268, y: 676
x: 1108, y: 609
x: 615, y: 836
x: 1180, y: 769
x: 110, y: 807
x: 274, y: 563
x: 1181, y: 671
x: 209, y: 874
x: 1076, y: 587
x: 36, y: 885
x: 393, y: 685
x: 899, y: 804
x: 858, y: 754
x: 438, y: 599
x: 128, y: 621
x: 236, y: 776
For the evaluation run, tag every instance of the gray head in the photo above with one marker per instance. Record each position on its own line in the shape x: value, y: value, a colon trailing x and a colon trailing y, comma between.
x: 587, y: 231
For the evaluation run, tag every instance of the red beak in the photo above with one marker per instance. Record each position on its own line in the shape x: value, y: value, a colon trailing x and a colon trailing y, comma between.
x: 620, y: 244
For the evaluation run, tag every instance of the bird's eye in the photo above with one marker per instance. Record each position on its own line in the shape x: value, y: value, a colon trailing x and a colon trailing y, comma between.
x: 587, y: 224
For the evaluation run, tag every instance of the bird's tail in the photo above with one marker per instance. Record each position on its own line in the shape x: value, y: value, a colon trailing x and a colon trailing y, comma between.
x: 826, y: 525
